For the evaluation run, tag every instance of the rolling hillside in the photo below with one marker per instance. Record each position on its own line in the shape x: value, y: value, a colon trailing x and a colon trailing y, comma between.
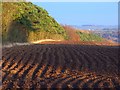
x: 26, y: 22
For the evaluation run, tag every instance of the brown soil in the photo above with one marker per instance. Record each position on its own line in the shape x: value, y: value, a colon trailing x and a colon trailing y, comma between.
x: 60, y: 66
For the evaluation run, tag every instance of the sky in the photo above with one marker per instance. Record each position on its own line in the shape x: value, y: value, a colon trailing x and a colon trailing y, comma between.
x: 82, y: 13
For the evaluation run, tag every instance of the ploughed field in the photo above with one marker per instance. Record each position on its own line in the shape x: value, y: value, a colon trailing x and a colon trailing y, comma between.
x: 60, y: 66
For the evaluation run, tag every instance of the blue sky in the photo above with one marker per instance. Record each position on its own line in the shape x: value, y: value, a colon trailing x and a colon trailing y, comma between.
x: 82, y: 13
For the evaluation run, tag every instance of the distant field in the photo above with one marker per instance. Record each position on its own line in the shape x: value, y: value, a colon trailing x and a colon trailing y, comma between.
x: 60, y: 66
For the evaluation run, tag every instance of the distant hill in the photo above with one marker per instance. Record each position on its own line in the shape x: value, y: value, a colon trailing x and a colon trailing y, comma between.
x: 112, y: 35
x: 26, y: 22
x: 109, y: 32
x: 82, y: 35
x: 87, y: 37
